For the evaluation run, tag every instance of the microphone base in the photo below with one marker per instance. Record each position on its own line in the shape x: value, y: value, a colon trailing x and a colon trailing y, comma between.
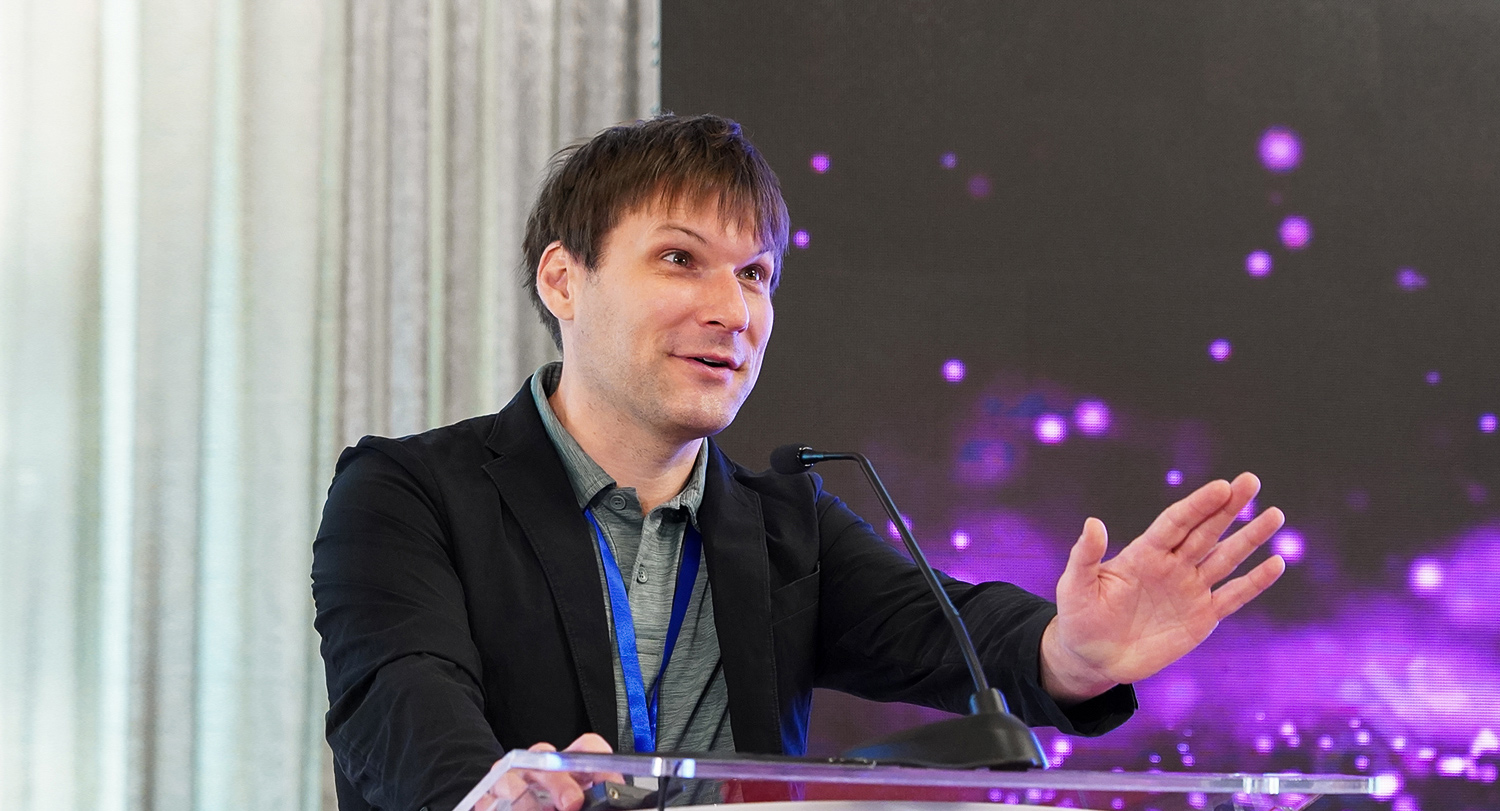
x: 991, y: 740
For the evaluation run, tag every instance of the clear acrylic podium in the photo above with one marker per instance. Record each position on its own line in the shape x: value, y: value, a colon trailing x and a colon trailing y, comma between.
x: 774, y: 783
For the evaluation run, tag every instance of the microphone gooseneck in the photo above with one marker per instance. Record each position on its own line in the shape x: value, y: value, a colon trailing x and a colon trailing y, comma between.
x: 992, y: 736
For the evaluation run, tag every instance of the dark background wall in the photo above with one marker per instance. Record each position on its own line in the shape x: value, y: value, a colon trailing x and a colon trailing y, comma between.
x: 1063, y: 197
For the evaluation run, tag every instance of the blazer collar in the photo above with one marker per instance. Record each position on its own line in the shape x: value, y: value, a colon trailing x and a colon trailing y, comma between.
x: 535, y: 488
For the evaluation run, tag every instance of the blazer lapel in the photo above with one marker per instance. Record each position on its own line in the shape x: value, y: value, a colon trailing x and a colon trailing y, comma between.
x: 734, y: 545
x: 535, y: 488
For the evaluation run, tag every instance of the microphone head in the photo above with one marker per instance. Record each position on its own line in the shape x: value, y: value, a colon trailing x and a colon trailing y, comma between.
x: 787, y: 459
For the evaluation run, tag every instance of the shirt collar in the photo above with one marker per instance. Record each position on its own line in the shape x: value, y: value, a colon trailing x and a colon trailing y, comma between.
x: 588, y: 479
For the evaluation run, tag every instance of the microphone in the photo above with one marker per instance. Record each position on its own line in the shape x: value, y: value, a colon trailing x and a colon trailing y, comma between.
x: 990, y: 736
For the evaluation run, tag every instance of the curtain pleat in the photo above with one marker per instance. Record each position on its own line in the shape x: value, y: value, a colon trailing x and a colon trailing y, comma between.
x: 235, y: 236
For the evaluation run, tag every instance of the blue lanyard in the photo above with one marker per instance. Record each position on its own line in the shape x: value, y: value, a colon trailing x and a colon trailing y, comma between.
x: 642, y: 707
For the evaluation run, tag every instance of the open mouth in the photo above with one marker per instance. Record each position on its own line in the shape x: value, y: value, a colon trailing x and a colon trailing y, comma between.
x: 717, y: 364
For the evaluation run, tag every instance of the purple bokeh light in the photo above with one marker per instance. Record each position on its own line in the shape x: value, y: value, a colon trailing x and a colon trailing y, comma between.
x: 954, y: 370
x: 1487, y: 423
x: 980, y: 187
x: 1410, y: 279
x: 1220, y: 349
x: 1050, y: 429
x: 1295, y: 232
x: 1280, y: 150
x: 960, y: 539
x: 1174, y: 477
x: 950, y: 160
x: 1246, y: 513
x: 892, y: 530
x: 1433, y: 378
x: 1289, y: 544
x: 1092, y: 417
x: 800, y: 239
x: 1258, y: 264
x: 820, y: 162
x: 1425, y: 576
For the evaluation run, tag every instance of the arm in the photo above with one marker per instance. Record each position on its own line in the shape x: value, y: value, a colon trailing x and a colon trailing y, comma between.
x: 406, y: 721
x: 884, y: 637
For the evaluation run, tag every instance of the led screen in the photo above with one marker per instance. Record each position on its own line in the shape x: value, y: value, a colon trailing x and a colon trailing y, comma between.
x: 1059, y: 259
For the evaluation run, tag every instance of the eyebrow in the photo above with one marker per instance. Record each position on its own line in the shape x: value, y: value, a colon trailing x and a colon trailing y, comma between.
x: 690, y: 232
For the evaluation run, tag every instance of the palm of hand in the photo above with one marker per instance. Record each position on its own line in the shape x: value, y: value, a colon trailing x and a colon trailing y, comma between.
x: 1124, y: 619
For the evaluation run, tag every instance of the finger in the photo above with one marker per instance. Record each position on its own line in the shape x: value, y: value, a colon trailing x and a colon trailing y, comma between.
x: 1233, y: 595
x: 505, y: 793
x: 1087, y: 553
x: 594, y: 743
x: 1227, y: 555
x: 1203, y: 537
x: 560, y: 787
x: 1176, y: 521
x: 564, y: 791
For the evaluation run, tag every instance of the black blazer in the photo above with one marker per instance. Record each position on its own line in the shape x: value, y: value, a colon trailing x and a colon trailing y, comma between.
x: 459, y: 605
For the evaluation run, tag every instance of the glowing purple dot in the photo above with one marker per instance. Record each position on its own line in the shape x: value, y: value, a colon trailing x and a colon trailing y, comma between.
x: 1118, y: 804
x: 1487, y: 772
x: 1295, y: 232
x: 1452, y: 765
x: 1426, y: 576
x: 1325, y: 742
x: 1050, y: 429
x: 1405, y: 802
x: 893, y: 531
x: 1220, y: 350
x: 1062, y: 746
x: 995, y: 795
x: 1246, y: 513
x: 1263, y: 744
x: 1487, y: 423
x: 1433, y: 378
x: 1258, y: 264
x: 979, y: 187
x: 1410, y: 279
x: 961, y: 539
x: 950, y: 160
x: 1174, y: 477
x: 1092, y: 417
x: 954, y: 370
x: 1280, y: 150
x: 1289, y: 544
x: 820, y: 162
x: 1362, y: 762
x: 800, y: 239
x: 1386, y: 785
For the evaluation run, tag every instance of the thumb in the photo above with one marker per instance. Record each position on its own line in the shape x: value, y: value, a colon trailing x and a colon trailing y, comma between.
x: 1087, y: 553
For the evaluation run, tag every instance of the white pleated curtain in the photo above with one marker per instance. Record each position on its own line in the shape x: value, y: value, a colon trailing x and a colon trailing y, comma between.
x: 234, y: 237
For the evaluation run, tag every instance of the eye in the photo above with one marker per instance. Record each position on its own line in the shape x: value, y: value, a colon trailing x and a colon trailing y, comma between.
x: 678, y: 257
x: 755, y: 273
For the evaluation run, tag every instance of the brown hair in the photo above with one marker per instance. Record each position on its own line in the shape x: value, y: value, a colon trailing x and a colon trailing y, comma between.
x: 591, y: 185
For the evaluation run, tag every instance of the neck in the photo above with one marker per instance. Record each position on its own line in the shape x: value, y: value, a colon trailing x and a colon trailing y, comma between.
x: 656, y: 467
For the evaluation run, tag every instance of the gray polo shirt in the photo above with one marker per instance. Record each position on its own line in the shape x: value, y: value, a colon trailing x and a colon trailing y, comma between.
x: 693, y: 707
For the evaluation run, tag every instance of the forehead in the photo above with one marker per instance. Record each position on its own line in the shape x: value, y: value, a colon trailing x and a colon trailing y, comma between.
x: 705, y: 215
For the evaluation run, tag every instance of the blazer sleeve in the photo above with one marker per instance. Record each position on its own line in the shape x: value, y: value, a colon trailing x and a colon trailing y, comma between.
x: 884, y: 636
x: 406, y: 721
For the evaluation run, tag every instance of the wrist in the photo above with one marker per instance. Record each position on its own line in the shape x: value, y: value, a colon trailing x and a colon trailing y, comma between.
x: 1065, y: 676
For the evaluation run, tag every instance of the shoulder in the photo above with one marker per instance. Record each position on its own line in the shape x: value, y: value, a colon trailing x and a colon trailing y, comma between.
x: 429, y: 454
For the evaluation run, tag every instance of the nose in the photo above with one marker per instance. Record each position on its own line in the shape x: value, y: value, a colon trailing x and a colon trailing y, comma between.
x: 724, y: 304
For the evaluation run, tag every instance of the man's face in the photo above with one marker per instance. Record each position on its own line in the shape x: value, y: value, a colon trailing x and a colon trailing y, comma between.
x: 669, y: 331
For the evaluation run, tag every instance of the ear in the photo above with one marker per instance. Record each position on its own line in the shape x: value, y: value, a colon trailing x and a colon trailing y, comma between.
x: 558, y: 274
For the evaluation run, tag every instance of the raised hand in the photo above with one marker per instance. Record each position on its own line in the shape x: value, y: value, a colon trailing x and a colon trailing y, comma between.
x: 1121, y: 620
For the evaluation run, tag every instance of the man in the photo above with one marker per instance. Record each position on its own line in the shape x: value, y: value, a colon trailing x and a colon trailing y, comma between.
x: 478, y: 586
